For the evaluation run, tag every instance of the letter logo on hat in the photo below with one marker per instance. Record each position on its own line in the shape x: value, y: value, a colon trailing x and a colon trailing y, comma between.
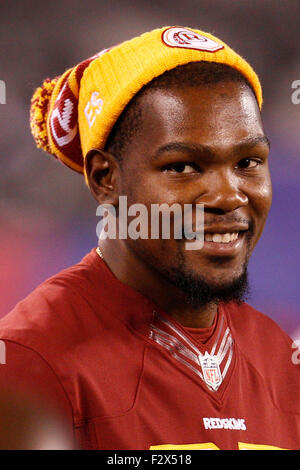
x: 93, y: 107
x: 189, y: 39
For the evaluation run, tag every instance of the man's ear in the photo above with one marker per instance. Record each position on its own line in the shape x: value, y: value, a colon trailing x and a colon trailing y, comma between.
x: 103, y: 176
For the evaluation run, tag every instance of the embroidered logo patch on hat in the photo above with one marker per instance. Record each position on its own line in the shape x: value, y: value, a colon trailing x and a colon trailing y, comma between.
x: 188, y: 39
x: 63, y: 119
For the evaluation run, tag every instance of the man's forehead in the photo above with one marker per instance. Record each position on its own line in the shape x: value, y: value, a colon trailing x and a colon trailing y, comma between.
x: 219, y: 94
x: 218, y: 112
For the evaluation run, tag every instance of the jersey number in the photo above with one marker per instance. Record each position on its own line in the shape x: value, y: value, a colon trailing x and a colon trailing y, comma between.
x: 212, y: 446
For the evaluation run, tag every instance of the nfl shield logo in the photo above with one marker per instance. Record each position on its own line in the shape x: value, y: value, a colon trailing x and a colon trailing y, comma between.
x: 211, y: 371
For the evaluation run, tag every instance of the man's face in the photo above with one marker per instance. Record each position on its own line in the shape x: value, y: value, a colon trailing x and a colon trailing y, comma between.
x: 201, y: 145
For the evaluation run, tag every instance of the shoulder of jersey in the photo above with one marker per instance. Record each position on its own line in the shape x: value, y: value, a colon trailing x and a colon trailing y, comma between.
x: 268, y: 350
x: 57, y: 311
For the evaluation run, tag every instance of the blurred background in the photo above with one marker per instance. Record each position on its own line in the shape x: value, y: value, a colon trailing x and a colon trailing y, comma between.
x: 47, y: 216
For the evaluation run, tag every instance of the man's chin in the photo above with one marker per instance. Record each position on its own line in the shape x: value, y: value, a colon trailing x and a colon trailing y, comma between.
x: 200, y: 292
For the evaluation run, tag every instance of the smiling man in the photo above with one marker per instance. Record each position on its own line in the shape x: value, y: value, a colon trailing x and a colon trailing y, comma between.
x: 196, y: 141
x: 145, y: 344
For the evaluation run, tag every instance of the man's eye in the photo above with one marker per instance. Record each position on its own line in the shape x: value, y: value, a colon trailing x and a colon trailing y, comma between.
x: 248, y: 163
x: 180, y: 167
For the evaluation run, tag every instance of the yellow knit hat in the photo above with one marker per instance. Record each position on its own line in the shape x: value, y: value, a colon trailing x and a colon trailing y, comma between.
x: 76, y: 111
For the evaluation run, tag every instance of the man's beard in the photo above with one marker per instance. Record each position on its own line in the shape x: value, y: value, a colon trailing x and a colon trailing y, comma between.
x: 198, y: 292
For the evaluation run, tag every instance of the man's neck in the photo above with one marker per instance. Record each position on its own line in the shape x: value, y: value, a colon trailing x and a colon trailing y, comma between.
x: 135, y: 273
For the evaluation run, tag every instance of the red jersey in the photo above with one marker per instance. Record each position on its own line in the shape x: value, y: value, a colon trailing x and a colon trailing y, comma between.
x: 127, y: 376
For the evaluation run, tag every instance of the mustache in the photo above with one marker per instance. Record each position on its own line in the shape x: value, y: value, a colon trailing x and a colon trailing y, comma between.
x: 227, y: 219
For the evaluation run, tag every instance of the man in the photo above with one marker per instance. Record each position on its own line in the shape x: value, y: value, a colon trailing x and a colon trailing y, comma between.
x: 147, y: 343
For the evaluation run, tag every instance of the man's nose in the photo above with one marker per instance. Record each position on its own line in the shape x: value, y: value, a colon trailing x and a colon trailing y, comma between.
x: 223, y: 192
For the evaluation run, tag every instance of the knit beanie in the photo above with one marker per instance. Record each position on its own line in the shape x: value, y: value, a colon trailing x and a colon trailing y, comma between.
x: 76, y: 111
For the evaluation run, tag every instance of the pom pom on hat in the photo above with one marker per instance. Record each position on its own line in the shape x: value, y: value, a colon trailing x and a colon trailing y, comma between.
x: 39, y: 113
